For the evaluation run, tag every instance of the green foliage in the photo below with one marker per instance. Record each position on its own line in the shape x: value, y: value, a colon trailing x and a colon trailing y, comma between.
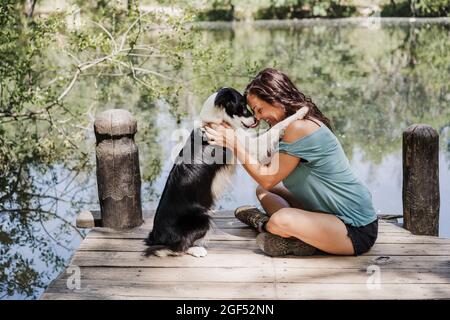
x: 220, y: 10
x: 31, y: 141
x: 396, y: 9
x: 54, y: 78
x: 418, y: 8
x: 433, y: 8
x: 290, y: 9
x: 227, y: 10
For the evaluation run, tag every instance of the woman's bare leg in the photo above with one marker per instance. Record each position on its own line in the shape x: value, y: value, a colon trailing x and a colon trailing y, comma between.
x: 276, y: 198
x: 321, y: 230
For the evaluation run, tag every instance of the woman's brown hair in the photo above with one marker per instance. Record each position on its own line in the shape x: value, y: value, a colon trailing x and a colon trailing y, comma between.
x: 275, y: 87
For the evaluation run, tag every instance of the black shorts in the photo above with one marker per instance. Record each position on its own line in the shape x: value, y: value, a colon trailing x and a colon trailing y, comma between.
x: 363, y: 238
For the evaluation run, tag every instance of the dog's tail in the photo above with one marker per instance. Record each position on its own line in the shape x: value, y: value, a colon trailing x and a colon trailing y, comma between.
x: 159, y: 250
x: 154, y: 248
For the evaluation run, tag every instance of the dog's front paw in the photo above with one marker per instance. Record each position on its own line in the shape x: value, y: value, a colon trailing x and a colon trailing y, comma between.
x: 198, y: 252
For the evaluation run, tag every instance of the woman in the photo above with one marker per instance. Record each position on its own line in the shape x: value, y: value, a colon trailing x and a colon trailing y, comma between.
x: 311, y: 197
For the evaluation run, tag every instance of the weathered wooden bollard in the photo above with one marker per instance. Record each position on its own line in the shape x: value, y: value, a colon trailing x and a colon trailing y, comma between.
x: 421, y: 180
x: 118, y: 174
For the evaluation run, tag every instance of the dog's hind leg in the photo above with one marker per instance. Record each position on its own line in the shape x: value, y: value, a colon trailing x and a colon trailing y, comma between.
x: 203, y: 242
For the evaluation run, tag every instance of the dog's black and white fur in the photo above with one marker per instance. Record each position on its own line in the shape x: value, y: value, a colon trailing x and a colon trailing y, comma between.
x: 198, y: 178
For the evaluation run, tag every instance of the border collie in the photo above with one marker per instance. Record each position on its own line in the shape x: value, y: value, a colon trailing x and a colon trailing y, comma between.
x: 201, y: 172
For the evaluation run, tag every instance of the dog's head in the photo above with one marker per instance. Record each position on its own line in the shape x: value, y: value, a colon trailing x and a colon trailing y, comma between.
x: 230, y: 106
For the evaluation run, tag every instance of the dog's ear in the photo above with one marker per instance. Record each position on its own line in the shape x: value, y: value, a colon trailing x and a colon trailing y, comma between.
x: 229, y: 99
x: 223, y: 98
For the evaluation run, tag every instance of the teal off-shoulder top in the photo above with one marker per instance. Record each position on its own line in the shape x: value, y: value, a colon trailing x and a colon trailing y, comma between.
x: 324, y: 182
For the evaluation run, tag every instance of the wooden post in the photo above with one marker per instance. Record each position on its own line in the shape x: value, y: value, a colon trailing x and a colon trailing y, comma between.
x: 421, y: 180
x: 118, y: 174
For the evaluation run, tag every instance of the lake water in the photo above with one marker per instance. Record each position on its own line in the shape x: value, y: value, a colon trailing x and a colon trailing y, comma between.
x: 372, y: 80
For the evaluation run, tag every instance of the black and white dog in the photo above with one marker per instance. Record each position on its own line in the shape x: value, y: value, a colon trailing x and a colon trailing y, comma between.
x: 200, y: 173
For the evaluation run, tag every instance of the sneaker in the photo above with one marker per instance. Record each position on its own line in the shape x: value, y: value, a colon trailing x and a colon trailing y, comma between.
x: 274, y: 245
x: 251, y: 216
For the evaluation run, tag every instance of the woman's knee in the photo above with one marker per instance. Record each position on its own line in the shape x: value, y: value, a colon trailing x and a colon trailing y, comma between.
x: 282, y: 219
x: 260, y: 192
x: 279, y: 223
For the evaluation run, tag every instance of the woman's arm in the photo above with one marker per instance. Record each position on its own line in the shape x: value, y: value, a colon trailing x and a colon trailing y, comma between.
x: 267, y: 176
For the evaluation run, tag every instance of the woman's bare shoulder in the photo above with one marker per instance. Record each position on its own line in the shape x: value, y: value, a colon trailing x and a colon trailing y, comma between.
x: 299, y: 129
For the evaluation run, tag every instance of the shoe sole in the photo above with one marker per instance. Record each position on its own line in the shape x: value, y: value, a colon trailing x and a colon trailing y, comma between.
x: 284, y: 246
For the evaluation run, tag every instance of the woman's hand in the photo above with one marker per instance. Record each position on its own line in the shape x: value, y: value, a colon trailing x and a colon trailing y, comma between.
x: 221, y: 135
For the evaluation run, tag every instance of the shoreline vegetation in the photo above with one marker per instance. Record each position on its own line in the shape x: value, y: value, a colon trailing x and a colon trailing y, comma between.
x: 263, y: 10
x: 344, y: 22
x: 229, y: 10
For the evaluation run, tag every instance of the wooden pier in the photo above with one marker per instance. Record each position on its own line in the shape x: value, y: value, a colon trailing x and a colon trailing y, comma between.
x: 399, y: 266
x: 110, y: 264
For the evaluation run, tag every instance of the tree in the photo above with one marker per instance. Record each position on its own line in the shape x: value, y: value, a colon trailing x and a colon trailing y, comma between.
x: 44, y: 128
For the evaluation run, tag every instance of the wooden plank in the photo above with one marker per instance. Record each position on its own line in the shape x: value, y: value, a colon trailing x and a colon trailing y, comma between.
x: 362, y: 291
x: 116, y: 276
x: 231, y: 290
x: 420, y: 249
x: 135, y: 259
x: 380, y: 248
x: 123, y: 276
x: 389, y: 246
x: 103, y: 233
x: 133, y: 245
x: 401, y: 238
x: 229, y: 223
x: 192, y: 290
x: 117, y: 296
x: 142, y: 232
x: 352, y: 276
